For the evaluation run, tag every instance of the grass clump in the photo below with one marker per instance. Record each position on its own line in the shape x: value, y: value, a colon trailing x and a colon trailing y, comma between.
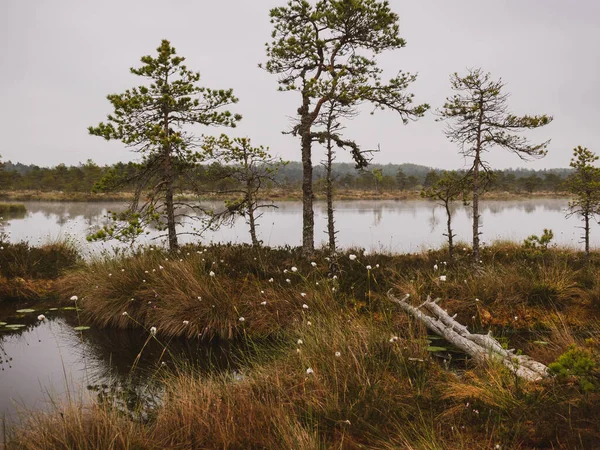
x: 46, y: 262
x: 28, y: 273
x: 12, y: 209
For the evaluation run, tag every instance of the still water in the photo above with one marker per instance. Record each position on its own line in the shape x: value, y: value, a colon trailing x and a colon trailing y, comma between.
x: 395, y: 226
x: 47, y: 361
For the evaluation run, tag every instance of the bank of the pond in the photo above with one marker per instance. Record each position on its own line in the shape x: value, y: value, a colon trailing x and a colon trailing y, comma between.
x: 331, y: 363
x: 226, y: 291
x: 277, y: 194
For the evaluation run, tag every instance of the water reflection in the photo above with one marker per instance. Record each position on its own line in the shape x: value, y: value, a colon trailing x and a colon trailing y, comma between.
x: 398, y: 226
x: 46, y: 361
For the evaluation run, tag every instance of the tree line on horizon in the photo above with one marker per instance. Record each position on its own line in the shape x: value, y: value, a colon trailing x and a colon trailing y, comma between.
x: 83, y: 177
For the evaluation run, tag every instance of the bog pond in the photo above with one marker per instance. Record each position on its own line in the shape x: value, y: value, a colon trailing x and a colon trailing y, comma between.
x: 394, y: 226
x: 58, y: 358
x: 45, y: 360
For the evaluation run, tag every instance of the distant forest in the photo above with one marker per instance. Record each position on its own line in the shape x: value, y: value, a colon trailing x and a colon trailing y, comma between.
x: 378, y: 177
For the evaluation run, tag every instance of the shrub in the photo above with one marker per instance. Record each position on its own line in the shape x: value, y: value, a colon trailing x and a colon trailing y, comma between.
x: 579, y: 363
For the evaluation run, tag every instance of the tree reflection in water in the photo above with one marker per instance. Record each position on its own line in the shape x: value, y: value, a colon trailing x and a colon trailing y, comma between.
x: 365, y: 223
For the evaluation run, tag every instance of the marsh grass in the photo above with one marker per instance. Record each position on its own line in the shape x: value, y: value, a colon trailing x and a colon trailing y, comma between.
x: 348, y: 371
x: 12, y: 209
x: 28, y: 273
x: 46, y: 262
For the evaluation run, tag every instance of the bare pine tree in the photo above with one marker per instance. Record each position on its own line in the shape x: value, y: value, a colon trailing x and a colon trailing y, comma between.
x: 477, y: 120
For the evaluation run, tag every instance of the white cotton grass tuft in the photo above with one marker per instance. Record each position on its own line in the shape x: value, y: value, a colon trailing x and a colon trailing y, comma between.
x: 352, y: 257
x: 304, y: 306
x: 442, y: 277
x: 369, y: 268
x: 294, y: 269
x: 124, y: 313
x: 314, y: 264
x: 186, y: 322
x: 263, y: 303
x: 303, y: 294
x: 211, y: 273
x: 41, y: 317
x: 74, y: 298
x: 338, y: 354
x: 309, y: 371
x: 153, y: 331
x: 271, y: 280
x: 241, y: 319
x: 299, y: 342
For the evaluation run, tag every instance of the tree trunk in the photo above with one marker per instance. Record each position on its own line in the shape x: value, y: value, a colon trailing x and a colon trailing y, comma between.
x: 308, y: 219
x: 476, y: 211
x: 587, y: 234
x: 477, y: 164
x: 251, y: 218
x: 450, y: 235
x: 255, y: 242
x: 168, y: 178
x: 172, y: 232
x: 329, y: 192
x: 480, y: 347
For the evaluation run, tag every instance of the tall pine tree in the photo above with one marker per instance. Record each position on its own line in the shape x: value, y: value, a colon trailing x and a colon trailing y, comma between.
x: 154, y: 120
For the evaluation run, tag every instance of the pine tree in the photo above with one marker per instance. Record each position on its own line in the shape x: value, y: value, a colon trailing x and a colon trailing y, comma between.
x: 584, y: 184
x: 328, y: 50
x: 154, y: 120
x: 250, y: 168
x: 477, y: 120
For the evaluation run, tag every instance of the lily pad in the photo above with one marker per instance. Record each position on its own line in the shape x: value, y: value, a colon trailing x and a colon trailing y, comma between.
x: 540, y: 342
x: 26, y: 310
x: 2, y: 324
x: 15, y: 326
x: 81, y: 328
x: 69, y: 308
x: 433, y: 348
x: 53, y: 309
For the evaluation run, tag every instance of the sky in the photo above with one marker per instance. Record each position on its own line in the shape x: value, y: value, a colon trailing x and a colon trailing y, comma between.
x: 61, y: 58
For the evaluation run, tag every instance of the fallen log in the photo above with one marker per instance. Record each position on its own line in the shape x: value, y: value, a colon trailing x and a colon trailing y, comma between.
x: 479, y: 346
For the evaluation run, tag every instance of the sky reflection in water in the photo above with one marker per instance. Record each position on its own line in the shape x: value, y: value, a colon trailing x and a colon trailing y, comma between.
x: 396, y: 226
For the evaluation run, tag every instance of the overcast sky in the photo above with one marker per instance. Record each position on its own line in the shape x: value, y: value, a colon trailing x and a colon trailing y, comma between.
x: 61, y: 58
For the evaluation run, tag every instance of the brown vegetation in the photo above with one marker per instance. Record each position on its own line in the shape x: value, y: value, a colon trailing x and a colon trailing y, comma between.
x: 350, y: 370
x: 28, y: 273
x: 274, y: 194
